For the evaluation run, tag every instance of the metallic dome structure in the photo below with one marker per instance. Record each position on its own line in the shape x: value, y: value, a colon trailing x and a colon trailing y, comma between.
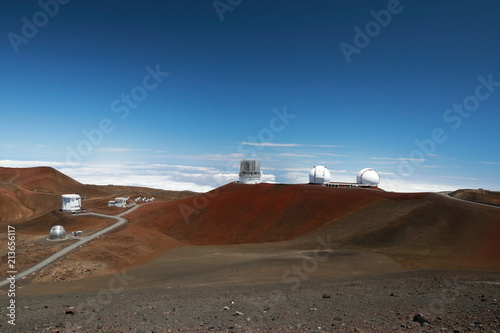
x: 319, y: 175
x: 57, y: 232
x: 368, y: 176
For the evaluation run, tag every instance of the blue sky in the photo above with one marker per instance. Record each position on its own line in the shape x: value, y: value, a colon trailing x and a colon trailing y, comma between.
x: 173, y: 94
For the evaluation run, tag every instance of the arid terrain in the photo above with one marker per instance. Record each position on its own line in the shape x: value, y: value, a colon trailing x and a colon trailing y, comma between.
x: 279, y: 257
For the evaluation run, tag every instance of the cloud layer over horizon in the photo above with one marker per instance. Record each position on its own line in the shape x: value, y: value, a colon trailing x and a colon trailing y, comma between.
x: 203, y: 179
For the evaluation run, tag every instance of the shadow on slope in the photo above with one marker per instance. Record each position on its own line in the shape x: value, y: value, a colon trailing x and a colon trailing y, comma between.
x: 420, y: 229
x: 237, y: 213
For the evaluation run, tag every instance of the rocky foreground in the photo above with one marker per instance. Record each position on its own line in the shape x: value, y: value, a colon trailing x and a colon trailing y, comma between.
x: 418, y: 301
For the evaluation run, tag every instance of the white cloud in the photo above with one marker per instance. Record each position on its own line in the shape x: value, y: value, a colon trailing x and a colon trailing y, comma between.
x: 162, y: 176
x: 202, y: 179
x: 118, y: 150
x: 294, y: 177
x: 31, y: 164
x: 432, y: 166
x: 398, y: 159
x: 208, y: 157
x: 404, y: 185
x: 494, y: 163
x: 337, y: 171
x: 294, y: 155
x: 461, y: 178
x: 272, y: 144
x: 334, y: 155
x: 297, y: 169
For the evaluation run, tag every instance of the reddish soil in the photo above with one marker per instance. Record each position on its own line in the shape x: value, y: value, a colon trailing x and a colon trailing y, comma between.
x: 236, y: 213
x: 71, y: 222
x: 418, y: 230
x: 184, y: 259
x: 422, y: 230
x: 30, y: 200
x: 30, y: 192
x: 482, y: 196
x: 26, y: 193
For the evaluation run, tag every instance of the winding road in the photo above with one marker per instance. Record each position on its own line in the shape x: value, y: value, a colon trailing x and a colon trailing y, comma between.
x: 447, y: 194
x: 81, y: 241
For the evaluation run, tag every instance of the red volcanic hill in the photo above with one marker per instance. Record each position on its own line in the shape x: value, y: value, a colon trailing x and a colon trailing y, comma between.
x: 29, y: 192
x: 237, y: 213
x: 26, y: 193
x: 412, y: 227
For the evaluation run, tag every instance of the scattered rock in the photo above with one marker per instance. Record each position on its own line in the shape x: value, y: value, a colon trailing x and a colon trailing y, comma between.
x: 327, y: 296
x: 238, y: 313
x: 69, y: 311
x: 225, y: 308
x: 419, y: 318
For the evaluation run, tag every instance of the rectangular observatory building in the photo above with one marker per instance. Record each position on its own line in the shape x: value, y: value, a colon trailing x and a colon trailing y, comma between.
x: 250, y: 172
x: 71, y: 203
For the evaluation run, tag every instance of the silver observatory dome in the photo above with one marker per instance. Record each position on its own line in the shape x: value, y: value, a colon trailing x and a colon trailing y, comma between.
x: 57, y: 232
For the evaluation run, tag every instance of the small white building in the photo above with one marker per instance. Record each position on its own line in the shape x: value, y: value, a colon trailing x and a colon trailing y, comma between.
x: 71, y: 202
x: 121, y: 202
x: 118, y: 202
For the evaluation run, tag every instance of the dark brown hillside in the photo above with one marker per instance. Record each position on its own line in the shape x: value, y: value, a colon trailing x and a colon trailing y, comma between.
x: 433, y: 232
x: 481, y: 196
x: 421, y: 229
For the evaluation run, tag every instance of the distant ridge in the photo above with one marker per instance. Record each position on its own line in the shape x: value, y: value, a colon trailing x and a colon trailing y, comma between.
x: 481, y: 196
x: 29, y: 192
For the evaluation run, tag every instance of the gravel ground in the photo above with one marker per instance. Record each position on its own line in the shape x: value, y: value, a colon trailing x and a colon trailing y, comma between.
x: 418, y: 301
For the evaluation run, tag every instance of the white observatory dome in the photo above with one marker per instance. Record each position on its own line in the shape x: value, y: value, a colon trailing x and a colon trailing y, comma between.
x: 57, y: 232
x: 319, y: 175
x: 368, y: 176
